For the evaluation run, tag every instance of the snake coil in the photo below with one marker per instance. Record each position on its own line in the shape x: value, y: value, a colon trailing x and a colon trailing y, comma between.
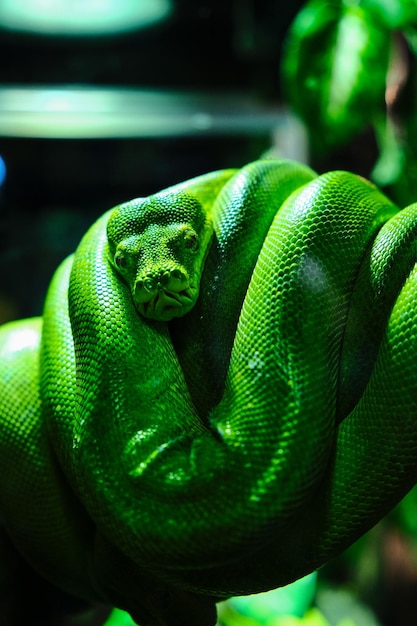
x: 221, y: 394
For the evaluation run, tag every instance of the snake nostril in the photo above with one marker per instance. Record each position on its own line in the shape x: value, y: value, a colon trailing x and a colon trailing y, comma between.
x: 149, y: 284
x: 164, y: 277
x: 152, y: 282
x: 178, y: 274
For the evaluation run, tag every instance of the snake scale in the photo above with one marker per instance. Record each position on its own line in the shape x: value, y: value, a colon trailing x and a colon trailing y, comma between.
x: 221, y: 394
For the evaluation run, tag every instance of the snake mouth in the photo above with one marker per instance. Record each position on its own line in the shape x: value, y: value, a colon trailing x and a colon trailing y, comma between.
x: 164, y: 294
x: 165, y: 304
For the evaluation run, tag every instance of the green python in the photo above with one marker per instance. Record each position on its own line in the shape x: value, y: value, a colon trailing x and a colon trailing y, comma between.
x: 221, y: 394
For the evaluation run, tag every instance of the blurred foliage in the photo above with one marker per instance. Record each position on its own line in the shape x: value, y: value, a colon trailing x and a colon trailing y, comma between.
x: 330, y: 607
x: 349, y: 66
x: 271, y: 608
x: 119, y: 618
x: 313, y: 617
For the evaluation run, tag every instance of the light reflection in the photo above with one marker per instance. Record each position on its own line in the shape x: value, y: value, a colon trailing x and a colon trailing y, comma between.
x: 3, y: 171
x: 22, y: 337
x: 76, y: 112
x: 81, y: 17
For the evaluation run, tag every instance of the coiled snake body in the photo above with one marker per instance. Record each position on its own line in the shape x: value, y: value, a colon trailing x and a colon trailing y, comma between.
x: 221, y: 394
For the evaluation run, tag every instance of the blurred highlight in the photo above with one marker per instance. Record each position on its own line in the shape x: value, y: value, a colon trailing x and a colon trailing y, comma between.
x: 3, y: 171
x: 81, y: 17
x: 85, y: 113
x: 287, y: 605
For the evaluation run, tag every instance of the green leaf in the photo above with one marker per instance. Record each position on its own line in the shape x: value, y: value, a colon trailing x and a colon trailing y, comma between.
x: 334, y: 69
x: 394, y: 14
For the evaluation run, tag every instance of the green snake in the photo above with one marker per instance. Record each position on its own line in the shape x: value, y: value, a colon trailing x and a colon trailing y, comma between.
x: 221, y: 394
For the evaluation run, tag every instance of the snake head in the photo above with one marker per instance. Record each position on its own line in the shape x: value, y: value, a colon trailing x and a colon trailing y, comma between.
x: 158, y: 245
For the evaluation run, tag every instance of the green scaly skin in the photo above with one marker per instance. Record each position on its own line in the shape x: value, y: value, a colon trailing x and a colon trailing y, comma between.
x: 167, y: 441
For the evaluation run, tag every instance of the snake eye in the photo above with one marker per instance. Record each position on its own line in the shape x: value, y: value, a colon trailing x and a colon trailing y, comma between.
x: 190, y: 239
x: 120, y: 260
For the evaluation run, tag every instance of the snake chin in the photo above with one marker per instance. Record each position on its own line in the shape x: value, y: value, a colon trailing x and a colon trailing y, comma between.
x: 165, y: 304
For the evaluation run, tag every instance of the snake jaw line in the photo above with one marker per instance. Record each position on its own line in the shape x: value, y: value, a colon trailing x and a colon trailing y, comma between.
x: 165, y: 288
x: 164, y: 304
